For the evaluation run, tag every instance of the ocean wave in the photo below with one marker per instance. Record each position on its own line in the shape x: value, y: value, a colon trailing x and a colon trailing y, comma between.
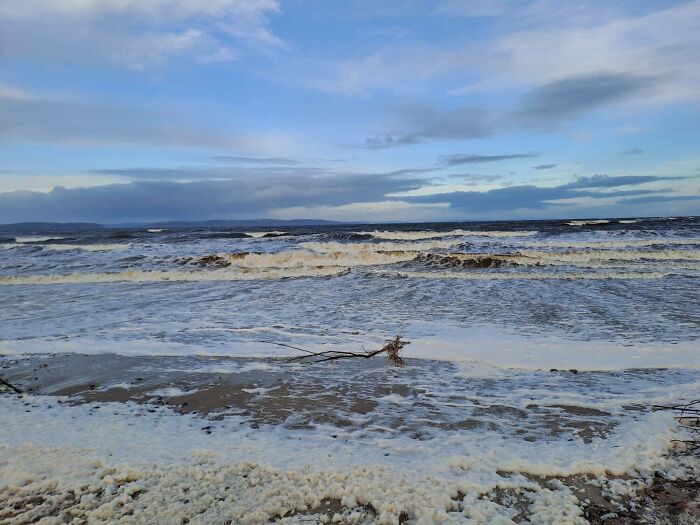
x: 143, y: 276
x: 224, y: 235
x: 585, y: 256
x: 594, y: 222
x: 362, y: 256
x: 359, y: 247
x: 66, y: 247
x: 85, y: 247
x: 428, y: 234
x: 595, y: 244
x: 259, y: 235
x: 123, y: 235
x: 461, y: 260
x: 497, y: 276
x: 345, y: 236
x: 630, y: 221
x: 591, y: 259
x: 36, y: 238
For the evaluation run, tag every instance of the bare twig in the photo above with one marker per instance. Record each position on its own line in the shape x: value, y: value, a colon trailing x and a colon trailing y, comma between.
x: 391, y: 349
x: 688, y: 417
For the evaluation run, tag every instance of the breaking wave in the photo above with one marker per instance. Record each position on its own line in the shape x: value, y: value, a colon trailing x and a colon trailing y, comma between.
x: 660, y: 241
x: 361, y: 256
x: 428, y: 234
x: 86, y: 247
x: 359, y: 247
x: 588, y: 223
x: 489, y: 276
x: 461, y: 260
x: 588, y: 256
x: 259, y: 235
x: 66, y: 247
x: 36, y: 238
x: 143, y: 276
x: 224, y: 235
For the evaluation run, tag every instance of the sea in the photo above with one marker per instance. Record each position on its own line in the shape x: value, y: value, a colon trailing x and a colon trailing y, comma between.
x: 537, y: 351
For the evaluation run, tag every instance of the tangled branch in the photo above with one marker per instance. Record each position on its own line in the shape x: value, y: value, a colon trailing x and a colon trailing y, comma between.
x: 391, y: 349
x: 9, y: 386
x: 688, y: 416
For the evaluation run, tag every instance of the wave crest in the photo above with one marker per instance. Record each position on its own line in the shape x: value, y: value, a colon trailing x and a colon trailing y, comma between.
x: 142, y: 276
x: 429, y: 234
x: 593, y: 222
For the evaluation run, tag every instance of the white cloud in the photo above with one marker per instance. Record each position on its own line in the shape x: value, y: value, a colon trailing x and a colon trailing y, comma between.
x: 77, y: 120
x: 535, y: 44
x: 663, y: 44
x: 472, y: 8
x: 135, y: 33
x: 14, y: 181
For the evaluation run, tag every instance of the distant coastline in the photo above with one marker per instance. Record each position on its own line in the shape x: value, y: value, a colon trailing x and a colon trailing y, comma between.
x: 254, y: 223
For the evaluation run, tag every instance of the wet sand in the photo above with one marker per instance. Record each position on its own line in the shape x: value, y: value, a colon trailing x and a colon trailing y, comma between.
x: 273, y: 391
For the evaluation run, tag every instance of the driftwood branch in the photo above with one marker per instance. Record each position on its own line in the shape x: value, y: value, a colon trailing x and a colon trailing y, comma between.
x: 11, y: 387
x: 391, y: 350
x: 688, y: 417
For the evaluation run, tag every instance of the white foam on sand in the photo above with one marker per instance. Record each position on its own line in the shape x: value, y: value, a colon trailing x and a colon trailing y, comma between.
x: 233, y: 473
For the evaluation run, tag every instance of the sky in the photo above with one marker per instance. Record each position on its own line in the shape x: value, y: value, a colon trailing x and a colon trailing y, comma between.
x: 357, y: 110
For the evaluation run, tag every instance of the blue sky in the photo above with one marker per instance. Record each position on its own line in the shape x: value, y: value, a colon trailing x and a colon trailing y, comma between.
x: 138, y: 110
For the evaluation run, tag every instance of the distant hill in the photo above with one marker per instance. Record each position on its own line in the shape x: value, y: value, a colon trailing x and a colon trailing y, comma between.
x: 49, y: 226
x: 250, y: 223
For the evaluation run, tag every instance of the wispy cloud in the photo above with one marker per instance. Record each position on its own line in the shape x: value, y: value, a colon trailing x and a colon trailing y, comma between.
x: 457, y: 159
x: 550, y: 104
x: 540, y: 198
x: 237, y: 159
x: 538, y: 44
x: 137, y: 34
x: 656, y: 199
x: 631, y: 151
x: 421, y: 122
x: 35, y: 118
x: 542, y: 109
